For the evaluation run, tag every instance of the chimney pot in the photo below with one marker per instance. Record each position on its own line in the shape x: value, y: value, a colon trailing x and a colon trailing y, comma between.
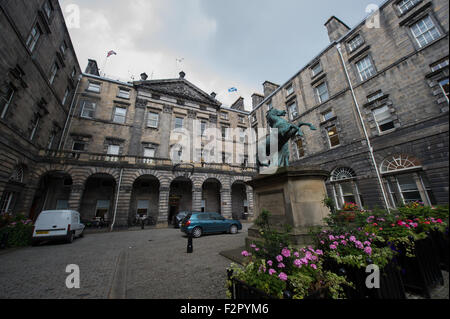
x: 182, y: 75
x: 144, y: 76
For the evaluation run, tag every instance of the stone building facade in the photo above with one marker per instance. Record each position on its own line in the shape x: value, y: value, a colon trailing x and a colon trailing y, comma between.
x: 39, y: 73
x: 378, y: 95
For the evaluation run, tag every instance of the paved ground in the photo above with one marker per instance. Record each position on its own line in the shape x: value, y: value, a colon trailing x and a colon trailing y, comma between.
x: 152, y: 263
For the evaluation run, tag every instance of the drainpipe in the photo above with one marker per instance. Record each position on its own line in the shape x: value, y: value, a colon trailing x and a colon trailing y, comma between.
x: 67, y: 124
x: 117, y: 199
x: 369, y: 145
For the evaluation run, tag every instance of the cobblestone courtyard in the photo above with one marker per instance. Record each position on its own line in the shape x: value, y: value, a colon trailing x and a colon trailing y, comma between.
x: 134, y: 264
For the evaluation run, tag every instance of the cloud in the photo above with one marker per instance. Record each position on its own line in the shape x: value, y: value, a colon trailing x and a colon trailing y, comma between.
x: 224, y: 44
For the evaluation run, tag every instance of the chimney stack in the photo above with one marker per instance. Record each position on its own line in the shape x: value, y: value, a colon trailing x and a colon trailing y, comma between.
x: 92, y: 68
x: 336, y: 28
x: 269, y: 88
x: 144, y: 76
x: 257, y: 99
x: 239, y: 104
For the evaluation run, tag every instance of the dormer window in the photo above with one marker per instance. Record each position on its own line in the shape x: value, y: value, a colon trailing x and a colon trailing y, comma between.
x: 47, y: 9
x: 406, y: 5
x: 316, y: 69
x: 355, y: 43
x: 289, y: 89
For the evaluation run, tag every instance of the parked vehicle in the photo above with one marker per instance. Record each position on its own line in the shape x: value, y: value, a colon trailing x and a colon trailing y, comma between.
x: 57, y: 225
x: 178, y: 219
x: 197, y: 224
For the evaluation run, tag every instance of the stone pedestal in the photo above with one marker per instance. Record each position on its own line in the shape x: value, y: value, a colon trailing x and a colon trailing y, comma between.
x: 293, y: 196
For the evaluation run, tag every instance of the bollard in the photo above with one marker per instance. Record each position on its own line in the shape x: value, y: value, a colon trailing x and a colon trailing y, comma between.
x: 190, y: 247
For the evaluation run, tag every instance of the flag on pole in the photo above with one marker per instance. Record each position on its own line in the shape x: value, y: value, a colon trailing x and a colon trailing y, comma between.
x: 231, y: 90
x: 111, y: 53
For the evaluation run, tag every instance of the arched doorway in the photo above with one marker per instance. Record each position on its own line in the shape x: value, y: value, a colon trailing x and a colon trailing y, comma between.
x: 239, y: 200
x: 211, y: 196
x: 180, y: 197
x: 53, y: 192
x: 144, y: 198
x: 97, y: 203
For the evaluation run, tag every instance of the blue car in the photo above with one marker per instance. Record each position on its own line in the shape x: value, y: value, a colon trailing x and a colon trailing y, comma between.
x: 197, y: 224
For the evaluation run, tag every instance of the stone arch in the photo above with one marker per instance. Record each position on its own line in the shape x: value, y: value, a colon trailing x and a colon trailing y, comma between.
x: 84, y: 175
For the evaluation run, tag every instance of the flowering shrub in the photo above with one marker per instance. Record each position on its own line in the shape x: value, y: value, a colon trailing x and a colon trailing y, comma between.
x: 300, y: 272
x: 355, y: 249
x: 351, y: 207
x: 18, y: 230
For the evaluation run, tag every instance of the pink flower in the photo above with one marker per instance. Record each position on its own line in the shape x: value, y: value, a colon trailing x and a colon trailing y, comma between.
x: 253, y: 246
x: 279, y: 258
x: 331, y: 237
x: 319, y: 252
x: 256, y: 249
x: 322, y: 242
x: 304, y: 261
x: 344, y: 242
x: 283, y: 276
x: 296, y: 254
x: 367, y: 243
x: 245, y: 253
x: 286, y: 252
x: 313, y: 266
x: 270, y: 263
x: 368, y: 250
x: 333, y: 247
x: 272, y: 271
x: 298, y: 263
x: 281, y: 265
x: 352, y: 239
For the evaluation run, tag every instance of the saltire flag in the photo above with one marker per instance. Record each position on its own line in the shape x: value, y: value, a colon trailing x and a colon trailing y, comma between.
x: 232, y: 90
x: 111, y: 53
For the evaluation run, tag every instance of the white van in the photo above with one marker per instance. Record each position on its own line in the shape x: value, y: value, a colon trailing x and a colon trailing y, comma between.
x: 57, y: 225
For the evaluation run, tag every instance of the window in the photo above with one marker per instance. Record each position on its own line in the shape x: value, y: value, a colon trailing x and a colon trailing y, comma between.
x: 365, y: 68
x: 35, y: 126
x: 51, y: 140
x: 328, y: 115
x: 322, y: 92
x: 6, y: 202
x: 149, y: 152
x: 316, y: 69
x: 375, y: 96
x: 178, y: 123
x: 78, y: 146
x: 153, y: 120
x: 293, y: 111
x: 242, y: 135
x: 289, y: 89
x: 63, y: 48
x: 202, y: 128
x: 254, y: 118
x: 444, y: 86
x: 383, y: 119
x: 355, y: 43
x: 344, y: 188
x: 113, y: 150
x: 74, y: 72
x: 94, y: 87
x: 88, y: 109
x: 224, y: 116
x: 102, y: 209
x: 333, y: 136
x: 439, y: 65
x: 62, y: 204
x: 120, y: 115
x: 66, y: 95
x: 425, y: 31
x: 300, y: 148
x: 399, y: 162
x: 405, y: 5
x: 125, y: 94
x: 6, y: 97
x: 33, y: 37
x: 53, y: 72
x: 48, y: 9
x: 241, y: 119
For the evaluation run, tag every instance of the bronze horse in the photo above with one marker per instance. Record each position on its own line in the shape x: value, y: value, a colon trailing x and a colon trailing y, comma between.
x: 286, y: 131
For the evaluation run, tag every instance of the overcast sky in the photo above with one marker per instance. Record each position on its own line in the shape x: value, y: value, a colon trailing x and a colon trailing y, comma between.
x: 223, y: 43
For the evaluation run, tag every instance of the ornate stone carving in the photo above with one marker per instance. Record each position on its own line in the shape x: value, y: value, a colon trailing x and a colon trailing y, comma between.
x: 167, y: 109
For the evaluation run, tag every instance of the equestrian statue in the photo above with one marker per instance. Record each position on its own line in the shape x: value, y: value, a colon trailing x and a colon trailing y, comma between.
x: 286, y: 131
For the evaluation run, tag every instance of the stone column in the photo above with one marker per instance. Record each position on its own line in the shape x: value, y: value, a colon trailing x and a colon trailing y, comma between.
x: 76, y: 195
x: 163, y: 206
x: 196, y: 199
x: 250, y: 208
x: 225, y: 203
x: 123, y: 207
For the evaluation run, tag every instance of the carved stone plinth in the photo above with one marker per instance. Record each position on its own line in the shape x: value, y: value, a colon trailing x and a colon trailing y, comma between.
x: 293, y: 196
